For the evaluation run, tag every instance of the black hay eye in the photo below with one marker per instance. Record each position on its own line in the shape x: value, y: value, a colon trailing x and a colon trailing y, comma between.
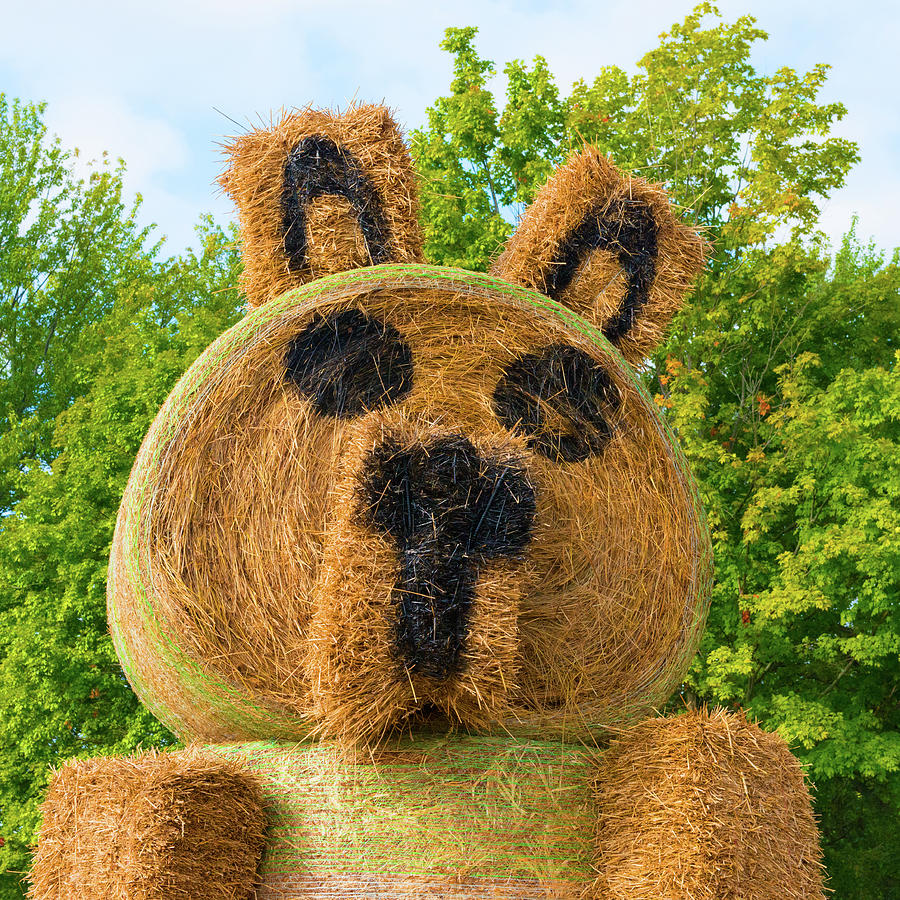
x: 348, y: 364
x: 560, y: 399
x: 628, y: 229
x: 317, y: 167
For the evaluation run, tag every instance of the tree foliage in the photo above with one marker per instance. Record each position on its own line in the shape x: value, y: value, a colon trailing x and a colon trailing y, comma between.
x: 747, y: 155
x: 68, y: 246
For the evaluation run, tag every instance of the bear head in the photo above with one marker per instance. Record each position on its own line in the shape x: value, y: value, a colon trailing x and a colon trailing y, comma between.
x: 398, y: 494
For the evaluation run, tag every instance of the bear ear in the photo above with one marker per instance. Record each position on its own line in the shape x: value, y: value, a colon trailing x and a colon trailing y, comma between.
x: 609, y: 247
x: 320, y: 192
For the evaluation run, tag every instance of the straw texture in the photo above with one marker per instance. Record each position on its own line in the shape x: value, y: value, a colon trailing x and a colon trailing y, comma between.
x: 705, y: 806
x: 151, y: 827
x: 431, y: 514
x: 249, y: 597
x: 320, y: 192
x: 697, y: 806
x: 608, y: 246
x: 445, y: 815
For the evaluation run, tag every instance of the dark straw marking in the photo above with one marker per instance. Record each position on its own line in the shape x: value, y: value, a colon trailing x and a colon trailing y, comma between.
x: 317, y: 167
x: 559, y: 398
x: 348, y: 364
x: 448, y: 510
x: 626, y: 228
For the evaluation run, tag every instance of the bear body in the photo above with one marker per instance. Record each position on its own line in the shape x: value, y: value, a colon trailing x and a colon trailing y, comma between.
x: 408, y: 556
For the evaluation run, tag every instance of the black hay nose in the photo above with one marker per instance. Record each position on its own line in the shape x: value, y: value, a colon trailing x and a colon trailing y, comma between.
x: 448, y: 510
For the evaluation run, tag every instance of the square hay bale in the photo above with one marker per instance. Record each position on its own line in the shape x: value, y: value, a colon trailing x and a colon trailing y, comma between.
x: 610, y: 247
x: 157, y: 826
x: 320, y: 192
x: 705, y: 806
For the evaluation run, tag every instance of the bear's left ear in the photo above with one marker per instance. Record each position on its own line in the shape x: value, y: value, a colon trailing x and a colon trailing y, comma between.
x: 321, y: 192
x: 609, y: 247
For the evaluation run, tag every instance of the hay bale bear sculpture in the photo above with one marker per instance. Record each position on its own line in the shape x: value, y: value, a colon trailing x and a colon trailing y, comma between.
x: 400, y: 553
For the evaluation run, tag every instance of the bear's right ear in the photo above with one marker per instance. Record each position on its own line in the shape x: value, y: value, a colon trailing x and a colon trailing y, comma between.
x: 609, y: 247
x: 321, y: 192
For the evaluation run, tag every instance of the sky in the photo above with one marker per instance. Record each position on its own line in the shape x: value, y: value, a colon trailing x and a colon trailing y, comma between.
x: 162, y: 84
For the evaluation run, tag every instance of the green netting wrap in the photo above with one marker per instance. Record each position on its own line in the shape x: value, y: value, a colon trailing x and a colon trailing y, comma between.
x: 451, y: 816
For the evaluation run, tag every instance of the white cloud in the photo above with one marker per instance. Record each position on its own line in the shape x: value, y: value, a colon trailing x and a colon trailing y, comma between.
x: 97, y: 124
x: 151, y: 148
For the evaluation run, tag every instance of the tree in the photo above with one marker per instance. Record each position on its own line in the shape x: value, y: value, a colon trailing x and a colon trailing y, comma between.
x: 745, y: 154
x: 792, y: 425
x: 64, y: 692
x: 781, y: 379
x: 68, y: 246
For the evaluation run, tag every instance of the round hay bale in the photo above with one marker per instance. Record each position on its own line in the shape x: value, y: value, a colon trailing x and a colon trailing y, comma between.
x: 257, y: 567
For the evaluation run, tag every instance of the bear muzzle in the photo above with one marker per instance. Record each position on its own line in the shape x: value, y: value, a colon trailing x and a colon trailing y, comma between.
x: 448, y: 510
x: 425, y: 562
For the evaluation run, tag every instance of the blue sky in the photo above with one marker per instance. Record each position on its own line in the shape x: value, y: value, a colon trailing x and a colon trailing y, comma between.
x: 145, y: 81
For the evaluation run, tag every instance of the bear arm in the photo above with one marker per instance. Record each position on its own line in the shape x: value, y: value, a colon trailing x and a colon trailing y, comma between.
x: 704, y: 805
x: 154, y: 825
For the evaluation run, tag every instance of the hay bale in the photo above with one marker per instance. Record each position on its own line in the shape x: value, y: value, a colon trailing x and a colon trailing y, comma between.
x: 351, y: 660
x: 171, y: 826
x: 256, y: 592
x: 320, y: 192
x: 608, y: 246
x: 705, y: 805
x: 251, y: 597
x: 451, y: 816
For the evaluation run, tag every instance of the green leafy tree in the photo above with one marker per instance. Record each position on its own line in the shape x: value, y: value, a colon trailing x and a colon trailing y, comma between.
x: 460, y: 194
x: 68, y: 247
x: 64, y: 693
x: 792, y: 424
x: 747, y: 155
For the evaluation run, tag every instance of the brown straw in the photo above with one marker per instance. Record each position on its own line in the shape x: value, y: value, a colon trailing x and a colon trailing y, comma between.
x: 269, y: 580
x: 156, y: 826
x: 369, y: 142
x: 249, y: 599
x: 641, y: 241
x: 705, y: 805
